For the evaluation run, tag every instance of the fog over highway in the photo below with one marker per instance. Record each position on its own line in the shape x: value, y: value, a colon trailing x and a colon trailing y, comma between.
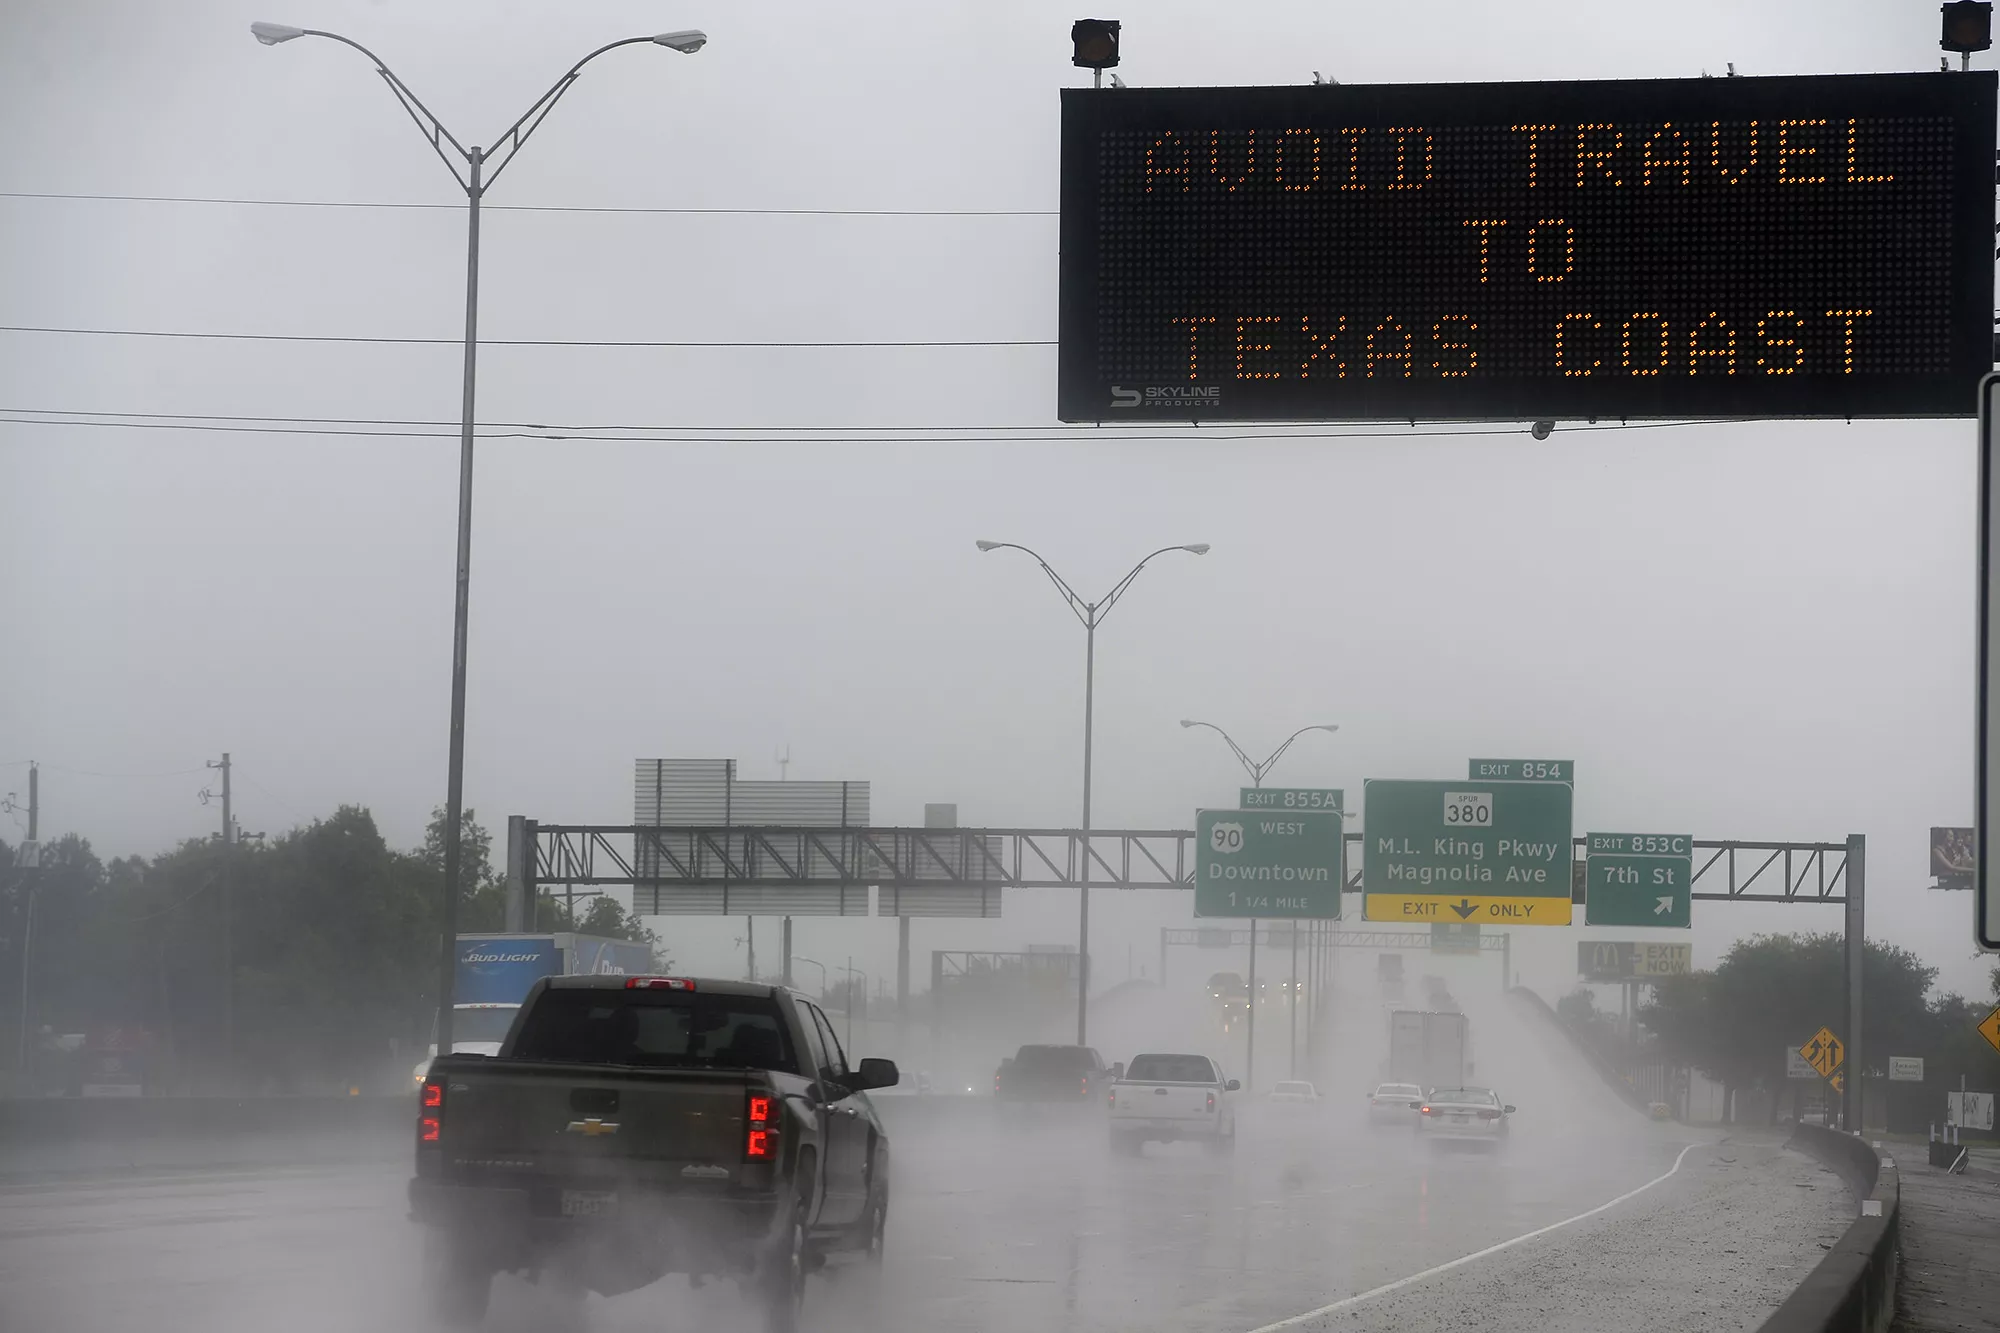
x: 1027, y: 1221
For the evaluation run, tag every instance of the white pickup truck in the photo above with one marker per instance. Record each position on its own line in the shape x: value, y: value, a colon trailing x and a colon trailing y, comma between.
x: 1166, y: 1098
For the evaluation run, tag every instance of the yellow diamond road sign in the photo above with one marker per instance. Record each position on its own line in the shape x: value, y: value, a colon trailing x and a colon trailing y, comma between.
x: 1839, y: 1080
x: 1824, y: 1052
x: 1989, y: 1027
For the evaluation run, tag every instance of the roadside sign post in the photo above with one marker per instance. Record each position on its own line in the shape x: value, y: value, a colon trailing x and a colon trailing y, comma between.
x: 1906, y: 1069
x: 1470, y: 851
x: 1639, y: 879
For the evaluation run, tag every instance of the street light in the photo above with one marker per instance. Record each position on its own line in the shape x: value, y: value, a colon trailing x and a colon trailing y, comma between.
x: 1090, y: 614
x: 475, y: 183
x: 1257, y: 772
x: 801, y: 958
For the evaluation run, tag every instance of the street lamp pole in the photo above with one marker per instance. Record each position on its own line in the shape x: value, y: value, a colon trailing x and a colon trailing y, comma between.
x: 1257, y: 771
x: 801, y: 958
x: 474, y: 182
x: 1090, y: 615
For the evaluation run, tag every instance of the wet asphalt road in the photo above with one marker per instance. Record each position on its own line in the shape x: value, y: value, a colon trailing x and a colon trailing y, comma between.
x: 996, y: 1224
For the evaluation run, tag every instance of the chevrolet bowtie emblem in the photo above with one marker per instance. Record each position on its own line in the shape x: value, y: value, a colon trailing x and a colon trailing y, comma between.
x: 592, y: 1127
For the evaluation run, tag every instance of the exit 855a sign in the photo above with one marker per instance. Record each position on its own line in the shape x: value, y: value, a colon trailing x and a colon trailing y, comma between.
x: 1816, y: 246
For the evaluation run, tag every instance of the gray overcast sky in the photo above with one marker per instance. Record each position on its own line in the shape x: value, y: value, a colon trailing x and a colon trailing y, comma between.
x: 1759, y: 631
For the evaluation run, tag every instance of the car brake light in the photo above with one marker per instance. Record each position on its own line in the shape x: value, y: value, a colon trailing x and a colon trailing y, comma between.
x: 1424, y: 1109
x: 1489, y: 1115
x: 430, y: 1126
x: 428, y: 1129
x: 433, y: 1094
x: 760, y: 1141
x: 659, y: 983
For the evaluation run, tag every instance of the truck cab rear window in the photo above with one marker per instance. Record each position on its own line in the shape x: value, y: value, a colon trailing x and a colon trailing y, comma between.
x: 1170, y: 1069
x: 660, y: 1029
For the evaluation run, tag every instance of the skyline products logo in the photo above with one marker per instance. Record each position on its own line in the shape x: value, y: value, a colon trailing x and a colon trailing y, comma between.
x: 1180, y: 396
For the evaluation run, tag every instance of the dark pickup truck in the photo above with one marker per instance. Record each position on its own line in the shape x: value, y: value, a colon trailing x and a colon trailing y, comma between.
x: 1054, y: 1074
x: 636, y: 1126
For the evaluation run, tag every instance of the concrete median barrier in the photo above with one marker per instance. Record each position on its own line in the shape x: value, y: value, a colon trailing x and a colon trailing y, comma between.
x: 55, y: 1135
x: 1853, y: 1289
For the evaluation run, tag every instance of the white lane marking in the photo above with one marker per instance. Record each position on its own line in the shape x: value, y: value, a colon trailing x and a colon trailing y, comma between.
x: 1462, y: 1260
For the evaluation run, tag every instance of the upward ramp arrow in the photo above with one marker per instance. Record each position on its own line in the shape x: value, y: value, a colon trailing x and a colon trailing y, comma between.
x: 1666, y: 905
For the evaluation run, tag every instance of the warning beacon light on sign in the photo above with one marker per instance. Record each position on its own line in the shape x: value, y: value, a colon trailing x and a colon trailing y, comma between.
x: 1968, y: 26
x: 1096, y: 43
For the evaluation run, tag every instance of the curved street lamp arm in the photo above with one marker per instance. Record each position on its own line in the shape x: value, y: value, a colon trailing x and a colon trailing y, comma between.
x: 1103, y: 608
x: 1078, y: 607
x: 1279, y: 752
x: 427, y: 124
x: 517, y: 134
x: 1255, y: 773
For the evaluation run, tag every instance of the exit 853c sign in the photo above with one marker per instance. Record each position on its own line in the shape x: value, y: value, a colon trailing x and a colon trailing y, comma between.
x: 1807, y: 247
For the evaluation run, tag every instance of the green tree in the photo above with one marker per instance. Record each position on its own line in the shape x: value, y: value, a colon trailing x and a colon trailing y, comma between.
x: 602, y: 915
x: 1772, y: 992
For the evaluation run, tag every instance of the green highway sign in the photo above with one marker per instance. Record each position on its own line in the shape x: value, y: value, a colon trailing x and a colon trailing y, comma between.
x: 1522, y: 770
x: 1454, y: 937
x: 1291, y: 798
x: 1251, y: 864
x: 1639, y: 879
x: 1495, y: 852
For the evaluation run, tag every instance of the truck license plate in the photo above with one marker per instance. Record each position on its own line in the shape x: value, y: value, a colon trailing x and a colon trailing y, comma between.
x: 588, y: 1203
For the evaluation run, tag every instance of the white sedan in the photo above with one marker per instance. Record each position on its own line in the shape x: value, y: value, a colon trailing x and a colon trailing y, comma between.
x: 1394, y: 1103
x: 1294, y: 1090
x: 1474, y: 1115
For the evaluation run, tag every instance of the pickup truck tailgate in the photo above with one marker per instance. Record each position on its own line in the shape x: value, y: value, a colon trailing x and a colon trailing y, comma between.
x: 592, y: 1122
x: 1162, y: 1101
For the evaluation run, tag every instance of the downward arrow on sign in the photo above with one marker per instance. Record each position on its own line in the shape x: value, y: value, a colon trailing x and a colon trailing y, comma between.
x: 1666, y: 905
x: 1463, y: 907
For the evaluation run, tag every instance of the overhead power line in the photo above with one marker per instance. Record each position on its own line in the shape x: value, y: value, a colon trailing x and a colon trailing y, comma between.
x: 541, y: 208
x: 520, y: 342
x: 1155, y: 433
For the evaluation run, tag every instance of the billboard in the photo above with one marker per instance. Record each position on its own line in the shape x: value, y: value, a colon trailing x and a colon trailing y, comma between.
x: 1952, y: 858
x: 1606, y: 960
x: 1814, y: 246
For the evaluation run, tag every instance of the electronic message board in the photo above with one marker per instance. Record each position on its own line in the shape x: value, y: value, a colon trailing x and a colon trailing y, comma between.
x: 1731, y: 247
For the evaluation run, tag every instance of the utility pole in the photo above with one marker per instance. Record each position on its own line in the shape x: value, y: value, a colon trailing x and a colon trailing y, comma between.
x: 228, y: 924
x: 29, y: 861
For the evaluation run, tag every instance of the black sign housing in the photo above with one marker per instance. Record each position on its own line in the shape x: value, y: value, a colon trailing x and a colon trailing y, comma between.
x: 1731, y: 247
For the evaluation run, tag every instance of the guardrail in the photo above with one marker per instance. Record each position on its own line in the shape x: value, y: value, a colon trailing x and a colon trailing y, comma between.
x: 1853, y: 1289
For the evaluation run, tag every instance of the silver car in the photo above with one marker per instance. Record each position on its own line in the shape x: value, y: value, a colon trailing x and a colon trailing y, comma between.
x: 1394, y: 1103
x: 1474, y: 1115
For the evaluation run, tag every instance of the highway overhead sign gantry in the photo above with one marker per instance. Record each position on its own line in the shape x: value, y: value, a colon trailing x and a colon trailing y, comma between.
x: 1455, y: 937
x: 1639, y: 879
x: 1291, y: 798
x: 1522, y: 770
x: 1824, y: 1052
x: 1250, y: 863
x: 1492, y: 852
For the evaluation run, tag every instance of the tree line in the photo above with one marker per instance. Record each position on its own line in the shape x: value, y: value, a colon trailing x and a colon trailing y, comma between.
x: 297, y: 963
x: 1770, y: 993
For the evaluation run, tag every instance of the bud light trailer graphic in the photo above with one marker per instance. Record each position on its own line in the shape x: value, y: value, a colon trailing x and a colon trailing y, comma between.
x: 499, y: 969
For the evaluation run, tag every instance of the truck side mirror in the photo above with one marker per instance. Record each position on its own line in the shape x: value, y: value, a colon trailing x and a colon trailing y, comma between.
x: 1118, y: 1070
x: 1232, y: 1086
x: 874, y: 1073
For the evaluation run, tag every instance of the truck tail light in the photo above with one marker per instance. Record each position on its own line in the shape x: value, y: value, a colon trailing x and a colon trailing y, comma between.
x: 430, y: 1125
x: 1111, y: 1099
x: 1424, y: 1110
x: 760, y: 1138
x: 1211, y: 1101
x: 659, y: 983
x: 1084, y: 1083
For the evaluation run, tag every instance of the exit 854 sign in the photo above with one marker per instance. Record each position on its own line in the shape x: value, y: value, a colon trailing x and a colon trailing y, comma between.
x: 1815, y: 246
